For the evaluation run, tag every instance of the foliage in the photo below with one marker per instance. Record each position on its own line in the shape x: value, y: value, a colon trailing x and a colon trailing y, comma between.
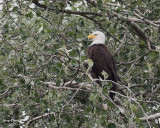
x: 43, y: 61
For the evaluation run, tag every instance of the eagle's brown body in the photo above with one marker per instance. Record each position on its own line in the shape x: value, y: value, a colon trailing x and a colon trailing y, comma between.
x: 103, y: 61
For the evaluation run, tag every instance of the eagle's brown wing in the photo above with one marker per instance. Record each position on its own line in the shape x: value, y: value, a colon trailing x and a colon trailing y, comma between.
x: 103, y: 60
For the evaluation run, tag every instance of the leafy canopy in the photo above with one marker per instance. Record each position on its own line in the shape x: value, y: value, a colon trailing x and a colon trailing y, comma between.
x: 44, y: 79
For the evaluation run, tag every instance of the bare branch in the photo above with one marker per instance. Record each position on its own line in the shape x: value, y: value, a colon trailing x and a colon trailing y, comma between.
x: 11, y: 105
x: 145, y: 20
x: 70, y: 86
x: 112, y: 4
x: 140, y: 33
x: 11, y: 121
x: 38, y: 117
x: 151, y: 117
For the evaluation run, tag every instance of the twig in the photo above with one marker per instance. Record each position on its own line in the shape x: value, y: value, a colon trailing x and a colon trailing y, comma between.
x: 123, y: 42
x: 135, y: 100
x: 8, y: 43
x: 5, y: 94
x: 42, y: 16
x: 135, y: 63
x: 154, y: 91
x: 70, y: 100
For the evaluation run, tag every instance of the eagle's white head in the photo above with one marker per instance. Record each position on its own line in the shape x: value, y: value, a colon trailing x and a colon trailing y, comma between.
x: 97, y: 37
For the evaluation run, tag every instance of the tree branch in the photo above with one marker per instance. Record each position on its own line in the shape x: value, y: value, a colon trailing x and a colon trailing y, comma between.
x: 129, y: 21
x: 140, y: 33
x: 151, y: 117
x: 146, y: 20
x: 70, y: 86
x: 5, y: 94
x: 66, y: 11
x: 153, y: 92
x: 38, y: 117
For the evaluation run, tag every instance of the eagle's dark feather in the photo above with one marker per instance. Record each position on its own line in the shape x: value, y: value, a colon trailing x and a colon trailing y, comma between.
x: 103, y: 60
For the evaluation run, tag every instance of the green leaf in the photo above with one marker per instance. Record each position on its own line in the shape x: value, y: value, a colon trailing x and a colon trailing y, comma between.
x: 40, y: 29
x: 92, y: 97
x: 90, y: 62
x: 134, y: 108
x: 59, y: 65
x: 105, y: 74
x: 29, y: 15
x: 158, y: 48
x: 111, y: 125
x: 15, y: 8
x: 137, y: 120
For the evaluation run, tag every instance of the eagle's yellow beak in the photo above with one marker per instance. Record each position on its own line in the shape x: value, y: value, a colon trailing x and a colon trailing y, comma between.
x: 91, y: 36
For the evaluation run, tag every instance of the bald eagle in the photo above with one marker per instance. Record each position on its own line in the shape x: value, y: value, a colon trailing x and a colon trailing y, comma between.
x: 102, y: 60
